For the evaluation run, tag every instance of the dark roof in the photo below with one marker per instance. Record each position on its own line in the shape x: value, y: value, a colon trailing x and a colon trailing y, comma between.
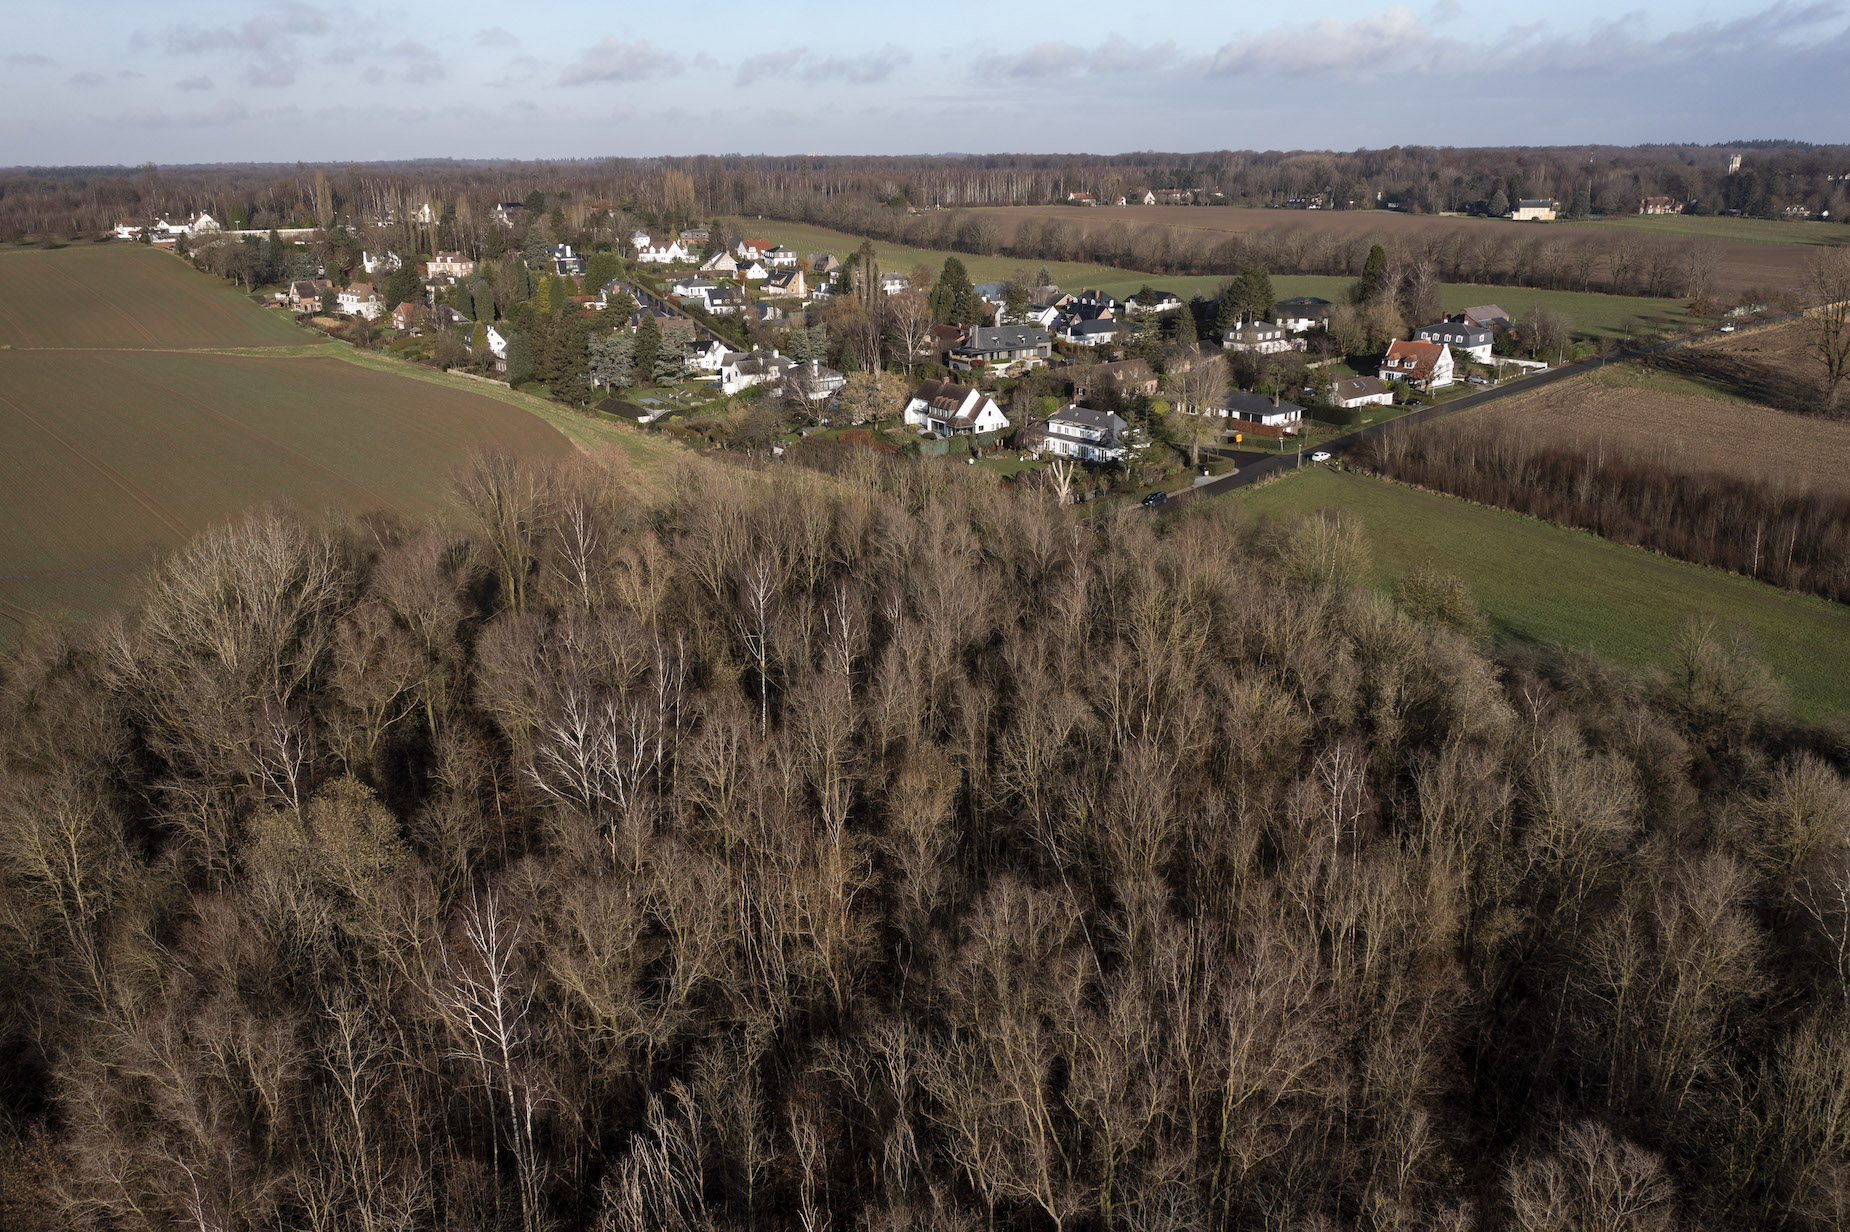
x: 1086, y: 417
x: 1253, y: 404
x: 1358, y: 387
x: 1300, y: 305
x: 1103, y: 325
x: 617, y: 406
x: 1006, y: 338
x: 1474, y: 335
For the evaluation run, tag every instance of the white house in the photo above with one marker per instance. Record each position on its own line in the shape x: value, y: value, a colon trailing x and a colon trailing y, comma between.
x: 128, y: 231
x: 691, y: 286
x: 1473, y: 340
x: 1425, y: 364
x: 565, y: 262
x: 1101, y: 331
x: 1262, y: 338
x: 814, y: 381
x: 1162, y: 301
x: 360, y: 300
x: 948, y: 409
x: 893, y: 284
x: 380, y: 262
x: 742, y: 369
x: 497, y: 341
x: 1002, y: 346
x: 1354, y: 391
x: 1301, y: 313
x: 670, y: 253
x: 1044, y: 315
x: 1255, y: 409
x: 754, y: 271
x: 750, y: 250
x: 640, y: 239
x: 1080, y: 432
x: 202, y: 222
x: 708, y: 356
x: 781, y: 258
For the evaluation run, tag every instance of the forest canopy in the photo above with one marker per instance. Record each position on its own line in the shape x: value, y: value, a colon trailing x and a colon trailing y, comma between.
x: 891, y: 850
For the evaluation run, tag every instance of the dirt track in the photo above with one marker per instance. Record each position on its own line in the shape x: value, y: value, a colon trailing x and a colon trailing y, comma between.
x: 1741, y: 265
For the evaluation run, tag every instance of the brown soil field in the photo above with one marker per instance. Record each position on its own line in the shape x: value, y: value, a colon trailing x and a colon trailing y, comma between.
x: 1635, y: 409
x: 1742, y: 265
x: 117, y: 455
x: 126, y: 296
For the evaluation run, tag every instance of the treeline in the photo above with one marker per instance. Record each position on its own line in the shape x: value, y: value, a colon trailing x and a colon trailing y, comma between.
x: 1798, y: 539
x: 1419, y: 179
x: 895, y: 853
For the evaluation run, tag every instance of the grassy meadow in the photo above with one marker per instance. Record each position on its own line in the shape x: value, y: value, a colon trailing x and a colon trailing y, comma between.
x: 1540, y: 583
x: 1810, y: 234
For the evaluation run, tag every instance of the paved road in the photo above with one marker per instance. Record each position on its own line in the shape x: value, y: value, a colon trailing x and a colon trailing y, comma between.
x: 1279, y: 463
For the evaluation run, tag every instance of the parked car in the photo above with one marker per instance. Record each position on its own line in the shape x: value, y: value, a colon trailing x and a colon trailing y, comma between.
x: 1322, y: 455
x: 1477, y: 379
x: 1156, y: 498
x: 1415, y: 402
x: 1728, y: 328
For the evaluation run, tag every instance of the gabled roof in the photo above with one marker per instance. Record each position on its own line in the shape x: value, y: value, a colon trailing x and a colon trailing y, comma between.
x: 1254, y: 404
x: 1475, y: 335
x: 1413, y: 356
x: 1299, y: 305
x: 1358, y: 387
x: 1086, y: 417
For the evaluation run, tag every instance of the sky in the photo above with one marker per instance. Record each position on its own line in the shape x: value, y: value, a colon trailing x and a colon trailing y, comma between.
x: 112, y: 82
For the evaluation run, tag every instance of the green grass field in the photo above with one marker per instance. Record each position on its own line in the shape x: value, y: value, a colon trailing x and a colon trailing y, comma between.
x: 1591, y: 315
x: 1543, y: 584
x: 1741, y: 230
x: 141, y: 401
x: 125, y: 296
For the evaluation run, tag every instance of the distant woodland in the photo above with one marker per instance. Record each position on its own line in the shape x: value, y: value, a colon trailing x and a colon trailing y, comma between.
x: 890, y: 850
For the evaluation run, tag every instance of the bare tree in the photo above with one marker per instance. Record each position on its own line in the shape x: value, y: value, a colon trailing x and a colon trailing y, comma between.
x: 1828, y: 321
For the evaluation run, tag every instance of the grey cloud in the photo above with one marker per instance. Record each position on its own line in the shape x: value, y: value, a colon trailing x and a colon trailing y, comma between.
x: 495, y: 36
x: 30, y: 59
x: 277, y: 26
x: 194, y: 83
x: 128, y: 74
x: 274, y: 74
x: 87, y: 78
x: 614, y: 60
x: 1331, y: 43
x: 864, y: 69
x: 1054, y: 59
x: 226, y: 111
x: 422, y: 63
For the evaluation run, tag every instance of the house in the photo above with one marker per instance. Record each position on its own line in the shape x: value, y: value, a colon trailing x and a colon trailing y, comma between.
x: 203, y: 223
x: 781, y: 258
x: 1485, y: 316
x: 750, y: 250
x: 449, y: 265
x: 1160, y: 302
x: 670, y: 253
x: 640, y: 239
x: 721, y: 262
x: 787, y: 284
x: 1174, y: 196
x: 608, y: 293
x: 709, y: 356
x: 1473, y: 340
x: 407, y: 316
x: 508, y: 213
x: 634, y: 413
x: 1128, y: 376
x: 305, y: 294
x: 128, y: 231
x: 1427, y: 365
x: 1044, y: 315
x: 1080, y: 432
x: 1148, y: 198
x: 695, y: 236
x: 1660, y: 205
x: 1301, y: 312
x: 1101, y: 331
x: 669, y: 327
x: 893, y: 284
x: 380, y: 262
x: 743, y: 369
x: 692, y: 286
x: 725, y: 302
x: 946, y: 408
x: 814, y: 381
x: 565, y: 262
x: 443, y: 284
x: 824, y: 264
x: 1003, y: 346
x: 1099, y: 303
x: 497, y: 336
x: 1262, y: 338
x: 1354, y: 391
x: 1536, y: 209
x: 1081, y: 198
x: 424, y: 214
x: 765, y: 314
x: 1262, y: 411
x: 754, y: 271
x: 941, y: 340
x: 445, y: 317
x: 995, y: 293
x: 360, y: 300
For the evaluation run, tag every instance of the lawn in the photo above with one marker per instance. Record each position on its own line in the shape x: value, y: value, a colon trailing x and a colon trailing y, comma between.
x: 1592, y: 315
x: 126, y: 296
x: 1740, y: 230
x: 1542, y: 584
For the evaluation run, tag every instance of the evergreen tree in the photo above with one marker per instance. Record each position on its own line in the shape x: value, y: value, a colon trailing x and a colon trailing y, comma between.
x: 574, y: 353
x: 401, y: 285
x: 1582, y: 204
x: 1499, y: 204
x: 1042, y: 278
x: 496, y: 247
x: 481, y: 301
x: 1180, y: 326
x: 648, y: 345
x: 533, y: 248
x: 953, y: 299
x: 1255, y: 293
x: 523, y: 284
x: 330, y: 301
x: 670, y: 361
x: 601, y: 268
x: 519, y: 360
x: 1373, y: 283
x: 610, y: 357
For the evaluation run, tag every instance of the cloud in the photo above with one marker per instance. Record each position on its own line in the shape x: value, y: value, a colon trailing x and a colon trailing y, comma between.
x: 1057, y: 59
x: 271, y: 73
x: 87, y: 78
x: 866, y: 69
x: 129, y: 74
x: 1393, y: 40
x: 194, y: 83
x: 276, y: 28
x: 495, y: 36
x: 614, y: 60
x: 225, y: 111
x: 422, y: 64
x: 30, y: 59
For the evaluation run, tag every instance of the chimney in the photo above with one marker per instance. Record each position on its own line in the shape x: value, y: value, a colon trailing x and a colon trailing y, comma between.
x: 1274, y: 399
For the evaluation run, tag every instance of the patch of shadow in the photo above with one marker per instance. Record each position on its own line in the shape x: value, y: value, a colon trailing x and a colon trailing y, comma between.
x: 1741, y: 376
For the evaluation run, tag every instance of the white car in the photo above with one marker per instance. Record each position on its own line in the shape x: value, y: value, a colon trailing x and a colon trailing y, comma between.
x: 1727, y: 329
x: 1322, y: 455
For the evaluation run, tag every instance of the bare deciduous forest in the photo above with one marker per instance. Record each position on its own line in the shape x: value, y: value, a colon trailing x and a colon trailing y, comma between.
x: 890, y: 851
